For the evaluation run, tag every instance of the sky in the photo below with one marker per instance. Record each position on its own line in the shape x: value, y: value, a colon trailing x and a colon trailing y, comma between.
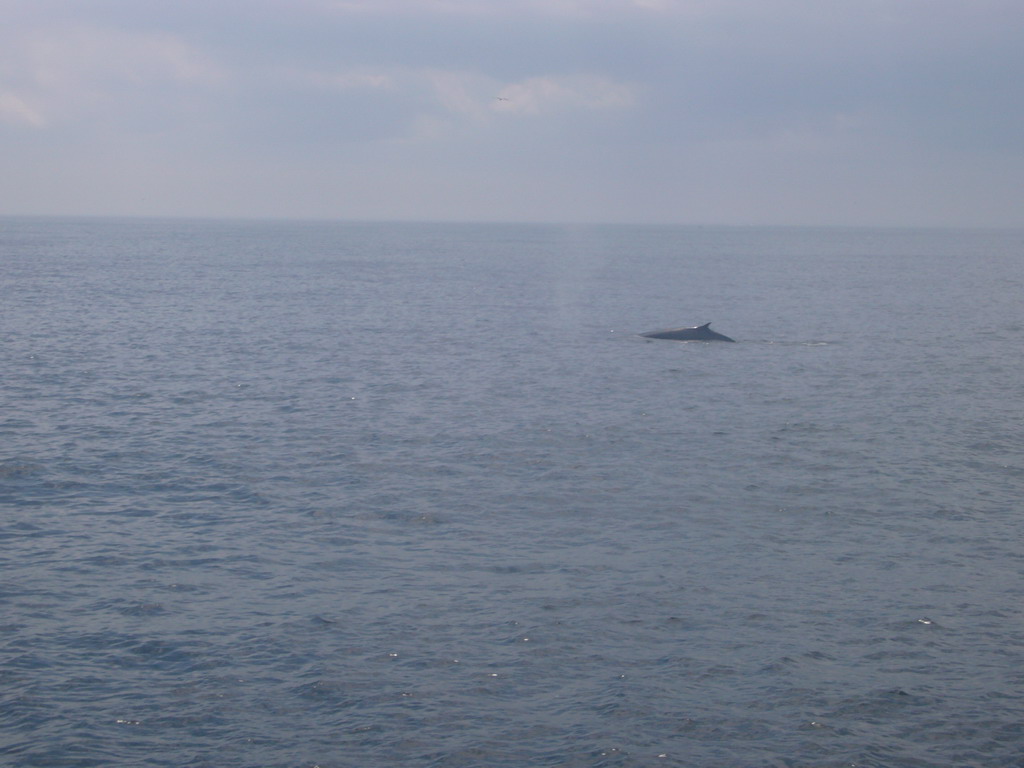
x: 745, y: 112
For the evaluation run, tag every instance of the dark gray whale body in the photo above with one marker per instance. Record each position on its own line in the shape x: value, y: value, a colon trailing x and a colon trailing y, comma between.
x: 698, y: 333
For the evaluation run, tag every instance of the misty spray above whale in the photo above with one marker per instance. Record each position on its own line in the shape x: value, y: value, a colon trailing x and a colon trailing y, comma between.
x: 697, y: 333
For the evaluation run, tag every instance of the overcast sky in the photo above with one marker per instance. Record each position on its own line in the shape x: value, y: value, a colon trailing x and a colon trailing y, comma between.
x: 906, y: 112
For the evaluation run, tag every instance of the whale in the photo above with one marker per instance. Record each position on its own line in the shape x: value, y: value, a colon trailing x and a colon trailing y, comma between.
x: 697, y: 333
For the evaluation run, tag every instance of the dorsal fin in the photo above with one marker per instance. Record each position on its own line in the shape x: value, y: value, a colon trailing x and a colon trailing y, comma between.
x: 704, y: 327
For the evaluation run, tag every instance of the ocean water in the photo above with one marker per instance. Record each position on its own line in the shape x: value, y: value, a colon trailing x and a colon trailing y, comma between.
x: 311, y: 494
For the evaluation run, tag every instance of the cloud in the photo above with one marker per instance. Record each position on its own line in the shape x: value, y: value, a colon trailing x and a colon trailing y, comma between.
x: 65, y: 71
x: 15, y: 110
x: 478, y: 8
x: 346, y: 79
x: 551, y: 92
x: 77, y: 54
x: 436, y: 103
x: 637, y: 109
x: 461, y: 93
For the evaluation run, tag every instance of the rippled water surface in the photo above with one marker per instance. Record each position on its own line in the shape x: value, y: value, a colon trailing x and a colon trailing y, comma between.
x: 419, y: 495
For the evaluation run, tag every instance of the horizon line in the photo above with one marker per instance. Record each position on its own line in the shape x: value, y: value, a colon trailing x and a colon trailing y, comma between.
x: 504, y: 222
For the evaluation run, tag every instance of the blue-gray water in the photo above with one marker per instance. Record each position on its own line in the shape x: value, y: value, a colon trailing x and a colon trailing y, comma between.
x: 295, y: 495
